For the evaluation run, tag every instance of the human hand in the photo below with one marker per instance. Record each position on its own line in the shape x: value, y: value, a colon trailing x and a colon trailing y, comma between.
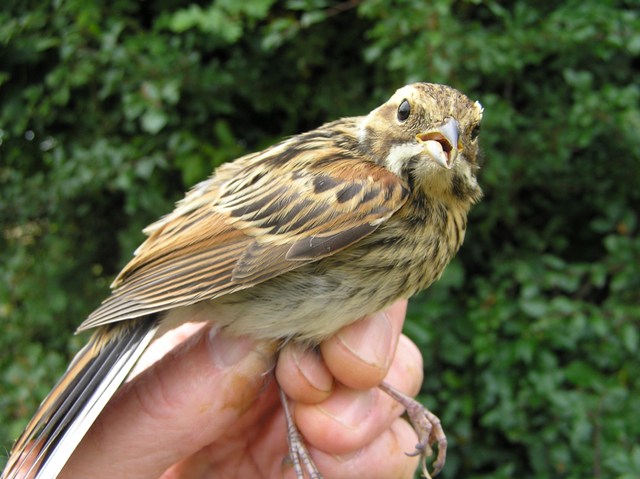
x: 210, y: 408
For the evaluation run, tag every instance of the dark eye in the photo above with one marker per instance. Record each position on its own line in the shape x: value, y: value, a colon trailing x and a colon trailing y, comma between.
x: 475, y: 132
x: 403, y: 110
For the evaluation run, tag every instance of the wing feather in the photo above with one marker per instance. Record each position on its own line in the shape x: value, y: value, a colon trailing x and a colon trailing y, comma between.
x: 259, y: 222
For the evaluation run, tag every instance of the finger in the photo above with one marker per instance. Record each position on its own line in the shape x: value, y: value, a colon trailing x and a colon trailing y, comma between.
x: 182, y: 403
x: 381, y: 459
x: 351, y: 418
x: 302, y: 374
x: 159, y: 347
x: 407, y: 371
x: 361, y: 353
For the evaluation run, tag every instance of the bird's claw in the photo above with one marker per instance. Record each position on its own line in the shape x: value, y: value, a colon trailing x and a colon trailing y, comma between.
x: 427, y: 426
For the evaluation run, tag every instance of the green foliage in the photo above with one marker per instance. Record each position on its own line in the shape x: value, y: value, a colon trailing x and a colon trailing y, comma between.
x: 110, y: 110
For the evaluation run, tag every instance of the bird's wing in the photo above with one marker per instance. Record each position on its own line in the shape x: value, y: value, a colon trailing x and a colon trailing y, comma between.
x: 249, y: 223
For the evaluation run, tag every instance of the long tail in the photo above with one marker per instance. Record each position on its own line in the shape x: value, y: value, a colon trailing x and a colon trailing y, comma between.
x: 75, y: 402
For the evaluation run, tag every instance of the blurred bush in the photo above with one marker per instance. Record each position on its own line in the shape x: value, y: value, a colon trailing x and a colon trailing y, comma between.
x: 110, y: 110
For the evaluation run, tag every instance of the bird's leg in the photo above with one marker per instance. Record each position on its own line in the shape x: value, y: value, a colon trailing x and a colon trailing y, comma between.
x: 298, y: 453
x: 427, y: 426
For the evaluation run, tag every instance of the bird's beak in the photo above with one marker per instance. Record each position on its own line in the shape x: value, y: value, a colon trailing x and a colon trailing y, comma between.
x: 442, y: 144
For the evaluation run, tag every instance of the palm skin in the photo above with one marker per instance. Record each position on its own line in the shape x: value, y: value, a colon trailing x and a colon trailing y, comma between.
x: 241, y: 441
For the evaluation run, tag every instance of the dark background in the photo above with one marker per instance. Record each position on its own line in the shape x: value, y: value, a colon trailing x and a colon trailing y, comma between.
x: 110, y: 110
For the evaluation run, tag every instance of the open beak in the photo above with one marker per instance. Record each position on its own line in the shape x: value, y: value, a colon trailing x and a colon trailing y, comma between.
x: 442, y: 143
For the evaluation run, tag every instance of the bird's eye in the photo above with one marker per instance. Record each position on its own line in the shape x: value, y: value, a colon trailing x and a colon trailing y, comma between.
x: 403, y: 110
x: 475, y: 132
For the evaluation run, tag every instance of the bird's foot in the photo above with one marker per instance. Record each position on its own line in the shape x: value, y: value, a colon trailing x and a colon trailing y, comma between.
x: 299, y: 455
x: 427, y: 426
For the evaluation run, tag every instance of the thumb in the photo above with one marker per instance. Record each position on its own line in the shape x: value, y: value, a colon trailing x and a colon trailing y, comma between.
x: 180, y: 404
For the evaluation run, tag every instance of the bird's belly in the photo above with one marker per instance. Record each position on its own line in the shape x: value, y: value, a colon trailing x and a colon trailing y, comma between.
x: 313, y: 302
x: 299, y: 305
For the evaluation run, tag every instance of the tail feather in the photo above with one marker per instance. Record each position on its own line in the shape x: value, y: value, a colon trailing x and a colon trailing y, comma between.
x: 70, y: 409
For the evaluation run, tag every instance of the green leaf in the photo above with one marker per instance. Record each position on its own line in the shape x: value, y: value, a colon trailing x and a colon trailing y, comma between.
x: 153, y: 120
x: 582, y: 374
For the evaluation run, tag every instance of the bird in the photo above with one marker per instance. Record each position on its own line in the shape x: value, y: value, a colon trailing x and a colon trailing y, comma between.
x: 287, y: 244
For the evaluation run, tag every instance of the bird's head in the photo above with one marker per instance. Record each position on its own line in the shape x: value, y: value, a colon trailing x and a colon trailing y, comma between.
x: 428, y: 135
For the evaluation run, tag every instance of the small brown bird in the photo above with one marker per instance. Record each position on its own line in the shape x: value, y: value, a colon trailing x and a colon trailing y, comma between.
x: 288, y: 244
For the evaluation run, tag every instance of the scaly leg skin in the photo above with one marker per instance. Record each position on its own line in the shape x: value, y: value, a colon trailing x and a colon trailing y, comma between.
x: 427, y: 426
x: 298, y: 453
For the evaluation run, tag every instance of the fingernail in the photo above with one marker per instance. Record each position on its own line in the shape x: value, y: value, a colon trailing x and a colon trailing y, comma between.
x: 228, y: 350
x: 313, y: 370
x: 348, y: 456
x: 349, y: 407
x: 369, y: 340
